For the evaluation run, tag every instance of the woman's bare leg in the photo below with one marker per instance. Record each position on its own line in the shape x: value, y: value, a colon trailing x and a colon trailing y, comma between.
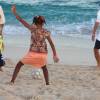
x: 17, y: 69
x: 97, y: 56
x: 45, y: 72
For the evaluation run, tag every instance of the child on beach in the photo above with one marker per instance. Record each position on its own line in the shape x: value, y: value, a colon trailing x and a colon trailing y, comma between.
x: 97, y: 42
x: 2, y: 22
x: 37, y: 55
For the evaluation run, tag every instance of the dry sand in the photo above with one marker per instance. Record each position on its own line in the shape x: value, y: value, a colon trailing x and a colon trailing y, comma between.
x: 75, y: 77
x: 66, y: 83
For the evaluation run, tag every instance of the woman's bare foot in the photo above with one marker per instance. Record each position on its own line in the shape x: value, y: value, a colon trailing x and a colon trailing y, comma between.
x: 10, y: 83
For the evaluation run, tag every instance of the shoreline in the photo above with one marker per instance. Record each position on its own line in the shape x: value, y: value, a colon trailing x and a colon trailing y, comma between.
x: 75, y: 77
x: 71, y: 51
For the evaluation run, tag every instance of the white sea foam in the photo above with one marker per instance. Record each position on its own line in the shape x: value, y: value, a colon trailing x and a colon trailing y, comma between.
x: 53, y: 2
x: 14, y: 30
x: 24, y: 1
x: 73, y: 30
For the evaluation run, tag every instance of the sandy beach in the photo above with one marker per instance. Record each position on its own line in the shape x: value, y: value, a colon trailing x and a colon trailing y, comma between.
x: 75, y: 77
x: 66, y: 83
x: 70, y: 22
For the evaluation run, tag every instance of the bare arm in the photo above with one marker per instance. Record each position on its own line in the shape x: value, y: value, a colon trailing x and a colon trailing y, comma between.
x: 20, y: 19
x: 52, y: 45
x: 94, y: 30
x: 55, y: 57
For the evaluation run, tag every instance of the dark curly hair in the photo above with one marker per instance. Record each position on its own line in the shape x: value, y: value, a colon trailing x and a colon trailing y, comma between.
x: 39, y: 20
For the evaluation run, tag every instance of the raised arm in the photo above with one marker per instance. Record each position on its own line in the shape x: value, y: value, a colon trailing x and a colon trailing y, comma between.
x: 20, y: 19
x: 55, y: 57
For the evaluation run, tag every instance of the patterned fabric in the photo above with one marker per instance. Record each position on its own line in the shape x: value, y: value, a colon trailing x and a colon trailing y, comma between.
x: 38, y: 37
x: 38, y: 40
x: 37, y: 55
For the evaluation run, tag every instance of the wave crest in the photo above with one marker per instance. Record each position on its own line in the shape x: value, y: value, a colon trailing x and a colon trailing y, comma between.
x: 88, y: 3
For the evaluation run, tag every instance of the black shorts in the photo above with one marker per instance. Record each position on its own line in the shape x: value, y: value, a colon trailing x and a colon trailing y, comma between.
x: 97, y: 44
x: 2, y: 62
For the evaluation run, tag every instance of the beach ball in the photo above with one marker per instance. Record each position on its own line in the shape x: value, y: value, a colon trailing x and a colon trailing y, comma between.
x: 37, y: 73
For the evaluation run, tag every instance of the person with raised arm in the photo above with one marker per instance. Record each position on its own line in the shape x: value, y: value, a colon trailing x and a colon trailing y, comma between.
x: 37, y: 54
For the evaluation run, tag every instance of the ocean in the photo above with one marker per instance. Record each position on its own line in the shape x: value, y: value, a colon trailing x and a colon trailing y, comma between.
x: 73, y: 18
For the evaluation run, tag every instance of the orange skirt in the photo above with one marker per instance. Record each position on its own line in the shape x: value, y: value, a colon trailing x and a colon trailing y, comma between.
x: 35, y: 59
